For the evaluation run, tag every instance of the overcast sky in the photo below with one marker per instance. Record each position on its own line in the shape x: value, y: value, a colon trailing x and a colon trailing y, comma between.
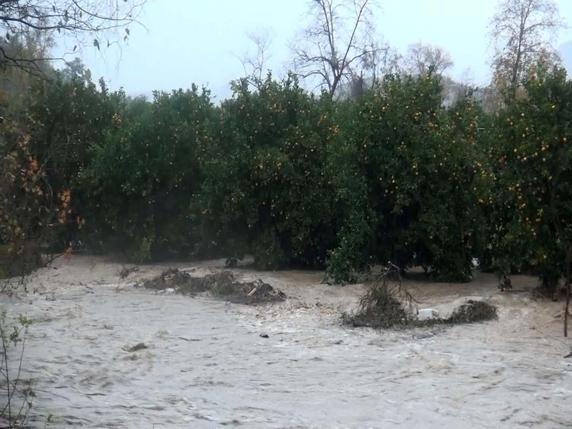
x: 201, y: 41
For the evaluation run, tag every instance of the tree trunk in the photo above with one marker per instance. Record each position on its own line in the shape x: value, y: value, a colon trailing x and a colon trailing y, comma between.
x: 568, y: 287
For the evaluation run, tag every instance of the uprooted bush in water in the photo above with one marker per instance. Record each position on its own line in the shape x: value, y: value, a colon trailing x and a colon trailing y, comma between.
x: 387, y: 304
x: 472, y: 312
x: 382, y: 305
x: 223, y: 285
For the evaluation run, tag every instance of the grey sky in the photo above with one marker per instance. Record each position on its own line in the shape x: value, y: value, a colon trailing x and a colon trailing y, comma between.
x: 199, y: 41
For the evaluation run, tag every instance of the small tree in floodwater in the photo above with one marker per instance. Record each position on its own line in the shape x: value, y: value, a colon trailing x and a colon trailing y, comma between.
x: 14, y: 390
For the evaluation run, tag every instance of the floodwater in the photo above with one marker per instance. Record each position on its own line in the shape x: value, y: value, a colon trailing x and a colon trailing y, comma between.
x: 209, y: 363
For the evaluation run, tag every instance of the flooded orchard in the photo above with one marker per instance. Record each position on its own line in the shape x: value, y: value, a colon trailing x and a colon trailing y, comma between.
x: 102, y: 353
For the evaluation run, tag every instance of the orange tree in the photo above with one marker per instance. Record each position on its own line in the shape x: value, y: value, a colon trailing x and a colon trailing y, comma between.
x: 68, y: 116
x: 141, y: 178
x: 266, y: 190
x: 412, y: 179
x: 531, y: 215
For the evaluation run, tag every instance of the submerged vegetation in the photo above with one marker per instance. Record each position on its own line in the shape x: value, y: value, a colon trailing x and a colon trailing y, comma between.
x: 388, y: 304
x: 222, y: 285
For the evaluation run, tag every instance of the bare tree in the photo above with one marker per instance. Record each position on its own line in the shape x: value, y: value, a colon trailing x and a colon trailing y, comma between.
x: 380, y: 60
x: 522, y: 31
x: 337, y: 42
x: 69, y: 18
x: 422, y: 58
x: 255, y: 64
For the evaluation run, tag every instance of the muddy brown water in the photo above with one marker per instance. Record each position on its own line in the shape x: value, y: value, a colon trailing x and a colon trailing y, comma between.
x: 207, y: 365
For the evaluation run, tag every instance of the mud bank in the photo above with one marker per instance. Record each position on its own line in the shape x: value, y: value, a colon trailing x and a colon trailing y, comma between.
x: 208, y: 363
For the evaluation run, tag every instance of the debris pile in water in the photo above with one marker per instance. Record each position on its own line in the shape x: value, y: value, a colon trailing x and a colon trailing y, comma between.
x: 378, y: 309
x: 387, y: 304
x: 223, y: 285
x: 383, y: 304
x: 473, y: 312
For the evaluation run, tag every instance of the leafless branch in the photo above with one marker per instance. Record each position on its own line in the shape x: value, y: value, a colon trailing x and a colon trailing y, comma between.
x: 424, y: 58
x: 522, y: 31
x: 75, y: 18
x: 255, y: 65
x: 337, y: 40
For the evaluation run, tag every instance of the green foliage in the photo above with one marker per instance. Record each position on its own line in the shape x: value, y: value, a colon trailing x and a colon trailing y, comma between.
x: 28, y: 215
x: 299, y: 180
x: 412, y: 186
x: 69, y: 116
x: 138, y: 187
x: 266, y: 189
x: 532, y: 194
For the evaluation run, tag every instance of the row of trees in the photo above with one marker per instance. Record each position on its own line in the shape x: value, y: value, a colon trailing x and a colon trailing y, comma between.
x: 299, y: 179
x: 339, y: 50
